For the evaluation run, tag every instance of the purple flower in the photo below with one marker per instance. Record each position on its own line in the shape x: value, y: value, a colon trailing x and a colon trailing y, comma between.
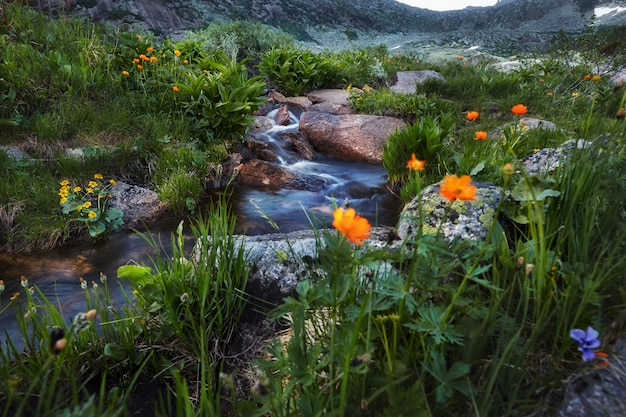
x: 587, y: 341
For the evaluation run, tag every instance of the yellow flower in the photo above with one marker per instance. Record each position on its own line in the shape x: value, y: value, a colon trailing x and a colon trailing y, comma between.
x: 415, y: 164
x: 14, y: 296
x: 64, y: 183
x: 92, y: 184
x: 177, y: 52
x: 112, y: 182
x: 87, y: 204
x: 63, y: 200
x: 125, y: 73
x: 472, y: 115
x: 64, y: 192
x: 454, y: 188
x: 79, y: 207
x: 92, y: 214
x: 89, y: 190
x: 596, y: 78
x: 574, y: 94
x: 98, y: 176
x: 480, y: 135
x: 77, y: 189
x: 519, y: 109
x: 354, y: 227
x: 185, y: 61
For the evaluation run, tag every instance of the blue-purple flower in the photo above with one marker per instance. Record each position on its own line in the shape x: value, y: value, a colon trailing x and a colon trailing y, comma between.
x: 587, y: 341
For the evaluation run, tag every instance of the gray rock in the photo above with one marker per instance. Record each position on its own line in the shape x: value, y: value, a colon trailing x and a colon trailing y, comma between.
x: 466, y: 220
x: 335, y: 96
x: 546, y: 160
x: 598, y: 392
x: 15, y: 153
x: 140, y: 205
x: 279, y: 261
x: 407, y: 80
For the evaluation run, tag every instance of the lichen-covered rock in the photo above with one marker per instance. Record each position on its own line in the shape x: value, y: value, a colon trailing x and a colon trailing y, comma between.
x: 279, y: 261
x: 546, y: 160
x: 465, y: 220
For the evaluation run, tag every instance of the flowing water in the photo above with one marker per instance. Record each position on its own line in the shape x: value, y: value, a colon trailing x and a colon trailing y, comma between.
x: 259, y: 211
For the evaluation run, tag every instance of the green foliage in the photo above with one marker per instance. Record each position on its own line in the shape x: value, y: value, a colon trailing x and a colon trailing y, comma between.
x: 179, y: 177
x: 424, y: 138
x: 88, y: 205
x: 220, y: 100
x: 293, y: 71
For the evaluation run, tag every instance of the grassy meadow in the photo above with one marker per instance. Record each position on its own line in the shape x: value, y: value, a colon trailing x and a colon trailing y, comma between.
x: 432, y: 328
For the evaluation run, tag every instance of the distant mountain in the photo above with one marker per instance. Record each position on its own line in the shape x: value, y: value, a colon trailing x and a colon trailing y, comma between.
x: 298, y: 16
x: 507, y: 27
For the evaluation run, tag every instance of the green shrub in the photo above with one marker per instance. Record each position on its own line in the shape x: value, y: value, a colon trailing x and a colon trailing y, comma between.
x: 425, y: 138
x: 219, y: 99
x: 293, y: 71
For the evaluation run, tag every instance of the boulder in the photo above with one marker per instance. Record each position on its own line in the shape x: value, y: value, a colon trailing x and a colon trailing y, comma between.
x: 546, y: 160
x: 408, y: 80
x: 356, y: 137
x: 140, y: 205
x: 335, y: 96
x: 281, y: 117
x: 279, y: 261
x: 466, y: 220
x: 299, y: 143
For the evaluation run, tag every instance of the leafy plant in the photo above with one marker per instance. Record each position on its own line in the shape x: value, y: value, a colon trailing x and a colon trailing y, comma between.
x: 293, y: 71
x: 88, y: 205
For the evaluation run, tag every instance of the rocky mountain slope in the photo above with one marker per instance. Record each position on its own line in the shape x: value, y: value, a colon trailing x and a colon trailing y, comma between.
x: 505, y: 26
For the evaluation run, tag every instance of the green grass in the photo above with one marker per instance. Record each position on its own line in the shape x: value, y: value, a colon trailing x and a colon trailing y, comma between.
x: 428, y: 329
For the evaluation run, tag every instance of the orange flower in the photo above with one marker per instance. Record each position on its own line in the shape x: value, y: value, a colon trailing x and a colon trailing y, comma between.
x: 143, y: 57
x: 153, y: 59
x: 454, y: 188
x: 150, y: 49
x: 125, y: 73
x: 136, y: 60
x: 177, y: 52
x: 587, y: 77
x: 472, y: 115
x: 139, y: 67
x: 519, y: 109
x: 354, y: 227
x: 549, y: 94
x: 480, y: 135
x: 415, y: 164
x: 176, y: 89
x: 596, y: 77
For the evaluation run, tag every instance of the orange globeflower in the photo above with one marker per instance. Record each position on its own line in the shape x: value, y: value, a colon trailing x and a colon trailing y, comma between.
x: 177, y: 52
x: 176, y: 89
x: 454, y: 188
x: 549, y: 94
x: 415, y: 164
x: 125, y: 73
x: 588, y: 76
x: 354, y: 227
x: 140, y: 67
x: 519, y: 109
x: 472, y: 115
x: 150, y: 49
x: 480, y: 135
